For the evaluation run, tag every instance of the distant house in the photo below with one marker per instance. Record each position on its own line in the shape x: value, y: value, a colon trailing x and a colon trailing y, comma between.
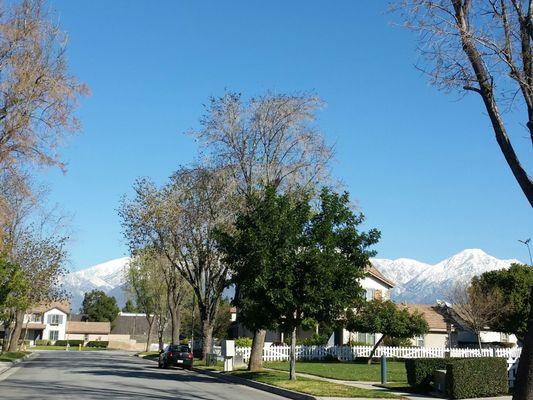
x: 88, y: 331
x: 47, y: 321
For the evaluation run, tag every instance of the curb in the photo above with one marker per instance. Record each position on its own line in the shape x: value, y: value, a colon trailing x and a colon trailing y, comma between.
x: 258, y: 385
x: 17, y: 361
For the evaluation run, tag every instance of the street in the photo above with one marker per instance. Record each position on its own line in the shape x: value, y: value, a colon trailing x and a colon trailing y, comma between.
x: 112, y: 375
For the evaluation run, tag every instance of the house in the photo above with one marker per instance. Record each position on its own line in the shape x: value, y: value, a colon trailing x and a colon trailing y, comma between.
x: 466, y: 337
x: 47, y: 321
x: 442, y: 329
x: 376, y: 287
x: 88, y: 331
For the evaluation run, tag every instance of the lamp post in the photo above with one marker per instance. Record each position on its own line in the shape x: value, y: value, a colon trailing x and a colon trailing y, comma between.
x: 526, y: 243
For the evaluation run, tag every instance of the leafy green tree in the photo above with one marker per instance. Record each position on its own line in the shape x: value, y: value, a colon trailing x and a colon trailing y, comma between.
x: 514, y: 284
x: 387, y: 318
x: 292, y: 262
x: 129, y: 307
x: 97, y: 306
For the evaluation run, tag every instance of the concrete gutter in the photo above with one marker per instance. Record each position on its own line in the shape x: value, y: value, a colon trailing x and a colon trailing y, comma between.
x: 290, y: 394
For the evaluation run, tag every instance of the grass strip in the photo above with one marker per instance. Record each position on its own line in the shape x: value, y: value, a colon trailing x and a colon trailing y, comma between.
x: 312, y: 386
x: 12, y: 356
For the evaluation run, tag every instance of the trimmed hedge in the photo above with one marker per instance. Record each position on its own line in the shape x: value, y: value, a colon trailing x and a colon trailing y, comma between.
x: 70, y: 342
x: 102, y: 344
x: 476, y: 377
x: 43, y: 343
x: 420, y: 371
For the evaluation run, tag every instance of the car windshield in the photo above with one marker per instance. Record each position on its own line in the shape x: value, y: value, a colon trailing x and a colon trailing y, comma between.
x: 183, y: 349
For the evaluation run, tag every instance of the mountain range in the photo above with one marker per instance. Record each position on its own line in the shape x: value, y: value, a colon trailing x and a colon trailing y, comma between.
x: 416, y: 282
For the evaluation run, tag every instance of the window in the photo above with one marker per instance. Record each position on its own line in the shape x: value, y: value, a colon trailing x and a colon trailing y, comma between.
x: 86, y: 337
x: 419, y: 340
x: 55, y: 319
x: 53, y: 335
x: 36, y: 318
x: 369, y: 294
x: 504, y: 337
x: 368, y: 338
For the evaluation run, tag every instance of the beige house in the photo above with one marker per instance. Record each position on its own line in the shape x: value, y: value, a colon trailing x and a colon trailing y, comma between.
x: 88, y: 331
x: 441, y: 329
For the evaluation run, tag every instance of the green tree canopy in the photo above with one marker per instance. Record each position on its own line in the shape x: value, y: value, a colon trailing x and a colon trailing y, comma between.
x: 514, y: 284
x: 291, y: 261
x: 387, y: 318
x: 97, y: 306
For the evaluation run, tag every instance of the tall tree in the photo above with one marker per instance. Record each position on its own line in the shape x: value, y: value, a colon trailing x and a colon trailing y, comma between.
x: 269, y: 140
x: 485, y: 47
x: 39, y: 96
x: 387, y: 318
x: 291, y: 262
x: 98, y: 306
x: 178, y: 221
x: 129, y: 307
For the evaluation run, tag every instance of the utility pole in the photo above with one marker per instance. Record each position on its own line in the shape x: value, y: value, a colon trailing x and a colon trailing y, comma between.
x: 526, y: 243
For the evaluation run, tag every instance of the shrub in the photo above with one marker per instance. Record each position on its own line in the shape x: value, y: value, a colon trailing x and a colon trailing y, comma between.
x: 184, y: 341
x: 101, y: 344
x: 420, y: 371
x: 476, y: 377
x: 396, y: 342
x: 316, y: 340
x: 43, y: 343
x: 70, y: 342
x: 243, y: 342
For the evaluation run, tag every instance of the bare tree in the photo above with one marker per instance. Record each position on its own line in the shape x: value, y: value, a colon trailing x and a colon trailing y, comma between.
x: 37, y: 94
x: 477, y: 309
x: 484, y: 47
x: 269, y: 140
x: 178, y: 220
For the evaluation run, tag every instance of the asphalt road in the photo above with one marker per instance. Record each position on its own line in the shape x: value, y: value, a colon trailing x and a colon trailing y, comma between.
x: 113, y: 375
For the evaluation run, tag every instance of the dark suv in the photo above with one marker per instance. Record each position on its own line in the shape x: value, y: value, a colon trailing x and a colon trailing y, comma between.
x: 175, y: 355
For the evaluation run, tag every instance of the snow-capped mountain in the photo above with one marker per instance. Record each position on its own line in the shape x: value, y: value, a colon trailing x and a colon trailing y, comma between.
x: 418, y: 282
x: 108, y: 277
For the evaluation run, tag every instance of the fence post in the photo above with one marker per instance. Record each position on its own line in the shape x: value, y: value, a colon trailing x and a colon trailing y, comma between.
x: 383, y: 369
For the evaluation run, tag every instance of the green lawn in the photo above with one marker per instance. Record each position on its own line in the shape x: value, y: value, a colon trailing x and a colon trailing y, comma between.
x: 149, y: 355
x: 312, y: 386
x: 13, y: 355
x: 346, y: 371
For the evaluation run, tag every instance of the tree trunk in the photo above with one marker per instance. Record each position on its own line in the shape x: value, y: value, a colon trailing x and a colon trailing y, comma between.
x: 175, y: 320
x: 369, y: 361
x: 207, y: 338
x: 523, y: 386
x: 256, y: 355
x: 292, y: 369
x: 17, y: 329
x: 149, y: 335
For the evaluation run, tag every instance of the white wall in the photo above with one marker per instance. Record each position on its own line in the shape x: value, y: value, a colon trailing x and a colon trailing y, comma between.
x: 61, y: 328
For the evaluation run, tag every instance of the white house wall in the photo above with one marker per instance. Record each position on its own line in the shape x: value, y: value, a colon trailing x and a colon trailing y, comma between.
x: 61, y: 328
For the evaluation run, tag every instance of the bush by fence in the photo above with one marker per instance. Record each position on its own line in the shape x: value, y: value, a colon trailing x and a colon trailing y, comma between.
x: 43, y: 343
x: 420, y: 371
x: 102, y: 344
x: 243, y: 342
x: 69, y: 342
x: 476, y: 377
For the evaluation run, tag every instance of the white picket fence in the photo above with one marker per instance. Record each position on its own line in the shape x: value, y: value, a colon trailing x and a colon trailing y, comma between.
x: 346, y: 353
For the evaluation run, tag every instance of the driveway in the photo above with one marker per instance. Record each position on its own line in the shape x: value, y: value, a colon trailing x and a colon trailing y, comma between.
x: 112, y: 375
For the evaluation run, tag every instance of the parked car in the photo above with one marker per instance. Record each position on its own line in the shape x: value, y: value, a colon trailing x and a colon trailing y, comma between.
x: 175, y: 355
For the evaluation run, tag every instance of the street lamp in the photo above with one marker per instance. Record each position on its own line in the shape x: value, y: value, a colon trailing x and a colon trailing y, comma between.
x: 526, y: 242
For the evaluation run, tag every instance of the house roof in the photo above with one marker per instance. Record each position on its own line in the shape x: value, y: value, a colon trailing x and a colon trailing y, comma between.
x: 63, y: 305
x: 436, y: 319
x: 374, y: 272
x: 88, y: 327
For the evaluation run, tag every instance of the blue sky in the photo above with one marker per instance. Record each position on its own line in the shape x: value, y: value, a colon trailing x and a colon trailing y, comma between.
x: 423, y: 165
